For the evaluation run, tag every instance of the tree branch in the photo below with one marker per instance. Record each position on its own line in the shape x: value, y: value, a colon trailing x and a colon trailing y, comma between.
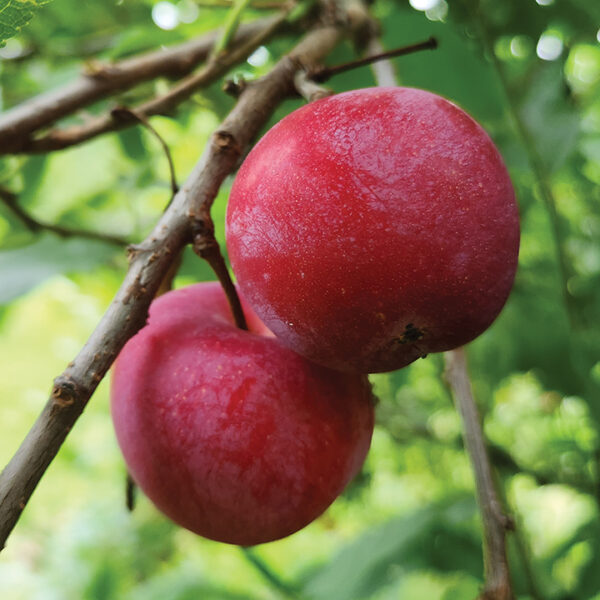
x: 17, y: 124
x: 495, y: 523
x: 9, y: 199
x: 308, y: 89
x: 263, y: 5
x: 208, y: 74
x: 149, y: 263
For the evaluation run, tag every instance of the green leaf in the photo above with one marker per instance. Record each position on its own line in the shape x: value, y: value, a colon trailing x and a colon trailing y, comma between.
x: 15, y: 14
x: 464, y: 588
x: 23, y: 268
x: 132, y: 142
x: 389, y: 551
x: 183, y: 584
x: 549, y: 118
x: 33, y: 172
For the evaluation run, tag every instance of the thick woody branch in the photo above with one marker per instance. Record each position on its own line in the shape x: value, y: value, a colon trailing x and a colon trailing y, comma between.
x: 18, y: 123
x: 495, y: 523
x: 149, y: 263
x: 208, y: 74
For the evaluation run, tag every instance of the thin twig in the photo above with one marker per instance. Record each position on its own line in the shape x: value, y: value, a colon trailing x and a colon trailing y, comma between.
x: 10, y: 200
x: 122, y: 112
x: 522, y: 549
x: 495, y: 523
x: 324, y: 73
x: 149, y: 262
x: 208, y: 74
x: 383, y: 70
x: 18, y: 124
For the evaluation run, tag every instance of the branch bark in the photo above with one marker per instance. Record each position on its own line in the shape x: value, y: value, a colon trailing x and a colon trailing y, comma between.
x: 149, y: 263
x: 495, y: 523
x: 208, y: 74
x: 18, y: 123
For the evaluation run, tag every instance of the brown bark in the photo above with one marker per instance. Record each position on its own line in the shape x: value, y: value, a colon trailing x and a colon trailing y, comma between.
x: 18, y: 123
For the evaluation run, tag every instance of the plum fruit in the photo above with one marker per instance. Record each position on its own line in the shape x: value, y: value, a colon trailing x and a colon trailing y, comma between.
x: 228, y: 432
x: 373, y: 227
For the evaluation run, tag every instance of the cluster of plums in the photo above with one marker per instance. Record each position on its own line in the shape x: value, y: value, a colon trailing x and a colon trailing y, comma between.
x: 365, y: 230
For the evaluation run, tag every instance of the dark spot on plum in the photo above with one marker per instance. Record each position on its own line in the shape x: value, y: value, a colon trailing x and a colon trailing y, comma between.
x: 411, y: 334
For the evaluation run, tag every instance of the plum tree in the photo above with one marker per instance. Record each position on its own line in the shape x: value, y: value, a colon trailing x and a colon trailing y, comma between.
x: 229, y: 433
x: 372, y: 227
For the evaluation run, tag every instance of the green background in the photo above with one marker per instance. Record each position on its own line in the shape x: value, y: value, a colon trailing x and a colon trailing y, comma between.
x: 408, y: 526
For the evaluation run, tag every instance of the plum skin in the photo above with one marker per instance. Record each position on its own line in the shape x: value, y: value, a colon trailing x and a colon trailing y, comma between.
x: 229, y: 433
x: 373, y: 227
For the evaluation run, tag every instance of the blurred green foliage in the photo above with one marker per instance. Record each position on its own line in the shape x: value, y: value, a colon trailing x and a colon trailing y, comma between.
x: 408, y: 526
x: 14, y: 15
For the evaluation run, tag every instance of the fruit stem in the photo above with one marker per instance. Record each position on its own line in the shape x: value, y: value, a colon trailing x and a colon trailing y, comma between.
x: 207, y: 247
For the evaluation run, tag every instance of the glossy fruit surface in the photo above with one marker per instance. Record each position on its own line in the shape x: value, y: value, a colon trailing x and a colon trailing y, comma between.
x: 229, y: 433
x: 372, y: 227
